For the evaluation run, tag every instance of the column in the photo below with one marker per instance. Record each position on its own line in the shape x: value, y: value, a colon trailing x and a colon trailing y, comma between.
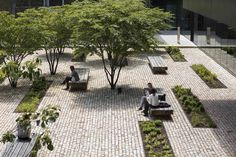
x: 13, y: 8
x: 178, y: 35
x: 194, y: 27
x: 46, y: 3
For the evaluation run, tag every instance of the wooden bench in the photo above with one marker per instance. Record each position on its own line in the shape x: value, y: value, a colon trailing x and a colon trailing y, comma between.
x: 20, y: 148
x: 163, y: 111
x: 157, y: 64
x: 82, y: 84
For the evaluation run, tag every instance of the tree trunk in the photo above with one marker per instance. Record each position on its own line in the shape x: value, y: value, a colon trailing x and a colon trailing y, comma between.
x: 53, y: 57
x: 113, y: 86
x: 52, y: 72
x: 111, y: 75
x: 13, y: 84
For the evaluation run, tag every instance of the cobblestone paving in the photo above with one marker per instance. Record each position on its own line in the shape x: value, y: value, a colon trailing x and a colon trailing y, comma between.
x: 101, y: 123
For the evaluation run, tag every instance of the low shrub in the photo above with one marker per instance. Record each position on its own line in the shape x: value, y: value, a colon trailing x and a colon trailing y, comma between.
x: 193, y: 107
x: 79, y: 56
x: 230, y: 50
x: 2, y: 76
x: 204, y: 73
x: 34, y: 96
x: 207, y: 76
x: 175, y: 53
x: 156, y: 143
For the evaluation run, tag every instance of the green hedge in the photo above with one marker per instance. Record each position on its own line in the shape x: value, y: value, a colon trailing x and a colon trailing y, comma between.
x: 204, y: 73
x: 193, y: 107
x: 35, y: 94
x: 230, y: 50
x: 207, y: 76
x: 155, y: 140
x: 175, y: 54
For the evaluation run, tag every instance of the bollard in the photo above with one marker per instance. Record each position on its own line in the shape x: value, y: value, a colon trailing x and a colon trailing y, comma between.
x: 208, y: 35
x: 178, y: 35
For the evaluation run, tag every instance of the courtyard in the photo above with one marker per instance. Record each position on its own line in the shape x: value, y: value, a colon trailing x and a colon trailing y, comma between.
x: 102, y: 123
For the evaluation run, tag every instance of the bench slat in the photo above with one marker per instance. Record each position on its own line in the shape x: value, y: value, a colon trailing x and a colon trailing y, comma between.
x: 82, y: 83
x: 20, y: 148
x: 31, y: 144
x: 83, y: 73
x: 167, y: 111
x: 157, y: 63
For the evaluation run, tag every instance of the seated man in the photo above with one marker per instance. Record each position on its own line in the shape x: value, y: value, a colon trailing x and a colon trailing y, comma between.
x: 74, y: 77
x: 151, y: 101
x: 147, y: 93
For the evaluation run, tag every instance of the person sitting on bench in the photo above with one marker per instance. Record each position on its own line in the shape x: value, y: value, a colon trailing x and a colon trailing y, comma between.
x: 74, y: 77
x: 147, y: 93
x: 151, y: 101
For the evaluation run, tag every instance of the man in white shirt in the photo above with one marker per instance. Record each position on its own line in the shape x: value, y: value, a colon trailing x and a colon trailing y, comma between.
x: 151, y: 101
x: 147, y: 93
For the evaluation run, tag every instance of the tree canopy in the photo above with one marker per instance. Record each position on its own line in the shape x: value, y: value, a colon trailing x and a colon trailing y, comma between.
x: 17, y: 40
x: 53, y: 29
x: 114, y: 29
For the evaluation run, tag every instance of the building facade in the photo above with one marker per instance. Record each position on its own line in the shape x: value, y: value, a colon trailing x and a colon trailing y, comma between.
x: 205, y: 22
x: 15, y: 6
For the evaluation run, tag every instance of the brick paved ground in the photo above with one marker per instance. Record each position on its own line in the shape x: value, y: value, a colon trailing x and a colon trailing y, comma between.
x: 101, y: 123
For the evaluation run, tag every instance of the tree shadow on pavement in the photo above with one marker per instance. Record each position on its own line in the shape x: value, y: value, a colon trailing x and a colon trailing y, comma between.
x: 104, y: 98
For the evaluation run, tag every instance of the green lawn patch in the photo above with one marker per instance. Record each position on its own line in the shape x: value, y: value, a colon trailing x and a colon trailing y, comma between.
x: 175, y: 54
x: 34, y: 96
x: 155, y: 140
x: 207, y: 76
x: 193, y: 108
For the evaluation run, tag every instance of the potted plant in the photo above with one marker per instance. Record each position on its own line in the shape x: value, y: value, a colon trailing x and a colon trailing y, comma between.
x: 43, y: 118
x: 24, y: 126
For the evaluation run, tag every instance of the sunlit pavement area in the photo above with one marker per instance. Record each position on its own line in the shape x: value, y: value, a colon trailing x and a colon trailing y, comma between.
x: 102, y: 123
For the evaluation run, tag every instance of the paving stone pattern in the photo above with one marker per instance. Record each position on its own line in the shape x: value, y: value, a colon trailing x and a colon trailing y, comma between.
x: 101, y: 123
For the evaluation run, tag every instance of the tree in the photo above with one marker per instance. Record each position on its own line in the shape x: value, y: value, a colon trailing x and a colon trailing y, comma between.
x: 115, y: 29
x: 53, y: 30
x: 17, y: 40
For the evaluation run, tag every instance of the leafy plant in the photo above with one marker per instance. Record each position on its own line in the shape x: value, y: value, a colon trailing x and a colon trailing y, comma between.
x: 2, y: 75
x: 34, y: 95
x: 30, y: 69
x: 79, y: 55
x: 175, y: 53
x: 207, y: 76
x: 193, y: 107
x: 43, y: 118
x: 172, y: 49
x: 7, y: 137
x: 24, y: 120
x: 155, y: 141
x: 15, y: 71
x: 204, y: 73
